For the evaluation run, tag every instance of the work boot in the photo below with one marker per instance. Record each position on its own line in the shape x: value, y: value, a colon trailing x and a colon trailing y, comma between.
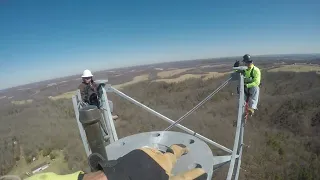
x: 250, y: 111
x: 114, y: 117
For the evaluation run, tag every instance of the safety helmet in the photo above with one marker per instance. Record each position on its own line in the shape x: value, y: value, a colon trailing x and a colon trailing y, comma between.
x: 247, y: 58
x: 87, y: 73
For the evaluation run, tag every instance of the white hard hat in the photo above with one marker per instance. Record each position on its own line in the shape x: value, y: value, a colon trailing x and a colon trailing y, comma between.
x: 87, y: 73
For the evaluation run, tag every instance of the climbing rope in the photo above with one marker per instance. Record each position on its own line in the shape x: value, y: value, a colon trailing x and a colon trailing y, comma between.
x: 200, y: 104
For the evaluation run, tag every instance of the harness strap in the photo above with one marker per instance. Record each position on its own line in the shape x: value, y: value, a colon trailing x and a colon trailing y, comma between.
x: 251, y: 73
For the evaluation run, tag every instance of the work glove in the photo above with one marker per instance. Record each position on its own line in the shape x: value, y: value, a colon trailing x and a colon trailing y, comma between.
x: 236, y: 64
x: 145, y: 164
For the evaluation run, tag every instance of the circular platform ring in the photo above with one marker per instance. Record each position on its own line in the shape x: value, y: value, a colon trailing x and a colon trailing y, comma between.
x: 199, y: 155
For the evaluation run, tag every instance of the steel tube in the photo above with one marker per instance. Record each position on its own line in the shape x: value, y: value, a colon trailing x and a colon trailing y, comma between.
x: 81, y: 130
x: 238, y: 129
x: 108, y: 121
x: 240, y: 154
x: 90, y: 117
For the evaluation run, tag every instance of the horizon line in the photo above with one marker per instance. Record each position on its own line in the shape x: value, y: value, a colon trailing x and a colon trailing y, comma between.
x: 148, y: 64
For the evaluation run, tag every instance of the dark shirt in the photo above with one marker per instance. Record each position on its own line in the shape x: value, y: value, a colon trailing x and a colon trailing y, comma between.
x: 88, y: 92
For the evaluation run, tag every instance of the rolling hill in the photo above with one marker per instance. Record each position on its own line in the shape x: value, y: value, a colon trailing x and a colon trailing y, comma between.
x: 282, y: 139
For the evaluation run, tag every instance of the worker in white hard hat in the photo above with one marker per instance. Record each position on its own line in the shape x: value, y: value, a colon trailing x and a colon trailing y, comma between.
x: 88, y: 89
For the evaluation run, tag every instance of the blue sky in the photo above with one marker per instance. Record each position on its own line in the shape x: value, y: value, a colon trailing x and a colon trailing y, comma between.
x: 45, y: 39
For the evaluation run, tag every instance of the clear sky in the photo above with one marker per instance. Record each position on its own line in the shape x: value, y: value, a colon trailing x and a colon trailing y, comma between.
x: 42, y: 39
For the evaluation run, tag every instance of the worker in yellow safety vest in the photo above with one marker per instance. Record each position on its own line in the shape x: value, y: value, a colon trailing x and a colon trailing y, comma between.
x: 252, y: 81
x: 140, y: 164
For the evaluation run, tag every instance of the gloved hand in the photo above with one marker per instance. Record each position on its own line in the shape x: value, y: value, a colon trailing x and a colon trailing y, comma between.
x: 147, y: 163
x: 236, y: 64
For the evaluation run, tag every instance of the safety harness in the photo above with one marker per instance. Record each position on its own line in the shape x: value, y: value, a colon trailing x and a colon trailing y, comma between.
x: 251, y: 73
x: 92, y: 97
x: 246, y: 90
